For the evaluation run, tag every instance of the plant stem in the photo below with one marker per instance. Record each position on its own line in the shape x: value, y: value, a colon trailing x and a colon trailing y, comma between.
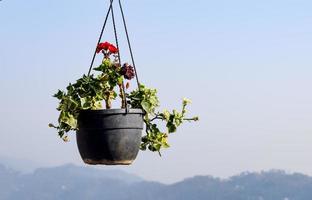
x: 108, y: 104
x: 122, y: 96
x: 108, y: 99
x: 157, y: 117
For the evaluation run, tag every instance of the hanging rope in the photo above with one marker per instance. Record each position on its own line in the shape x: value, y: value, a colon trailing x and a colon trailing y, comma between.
x: 115, y: 33
x: 111, y: 10
x: 116, y: 38
x: 101, y: 34
x: 129, y: 44
x: 119, y: 60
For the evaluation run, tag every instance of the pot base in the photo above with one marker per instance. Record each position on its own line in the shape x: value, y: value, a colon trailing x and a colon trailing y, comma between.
x: 107, y: 162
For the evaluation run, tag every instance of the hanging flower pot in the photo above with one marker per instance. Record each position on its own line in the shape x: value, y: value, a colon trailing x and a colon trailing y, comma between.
x: 110, y: 137
x: 114, y: 136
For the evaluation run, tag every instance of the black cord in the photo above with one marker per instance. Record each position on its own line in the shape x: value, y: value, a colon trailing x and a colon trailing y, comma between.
x: 102, y: 31
x: 117, y: 44
x: 115, y: 33
x: 119, y: 60
x: 129, y: 44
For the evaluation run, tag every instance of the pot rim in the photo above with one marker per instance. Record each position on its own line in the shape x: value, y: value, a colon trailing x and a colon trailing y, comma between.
x: 113, y: 111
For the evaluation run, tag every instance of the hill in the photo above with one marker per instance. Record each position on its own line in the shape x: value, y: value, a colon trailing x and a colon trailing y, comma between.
x: 70, y: 182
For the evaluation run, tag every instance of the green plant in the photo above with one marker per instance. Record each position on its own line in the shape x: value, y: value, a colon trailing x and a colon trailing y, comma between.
x: 155, y: 139
x: 89, y: 92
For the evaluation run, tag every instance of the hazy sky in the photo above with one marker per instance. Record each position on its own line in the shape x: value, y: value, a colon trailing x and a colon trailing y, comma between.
x: 246, y: 65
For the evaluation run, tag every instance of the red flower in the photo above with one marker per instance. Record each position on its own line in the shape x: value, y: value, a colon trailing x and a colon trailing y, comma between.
x: 112, y: 49
x: 103, y: 46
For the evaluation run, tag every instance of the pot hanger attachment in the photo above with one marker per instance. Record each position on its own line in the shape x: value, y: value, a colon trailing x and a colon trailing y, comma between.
x: 111, y: 11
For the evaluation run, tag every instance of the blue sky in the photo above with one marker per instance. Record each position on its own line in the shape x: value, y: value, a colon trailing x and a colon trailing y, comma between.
x: 245, y: 64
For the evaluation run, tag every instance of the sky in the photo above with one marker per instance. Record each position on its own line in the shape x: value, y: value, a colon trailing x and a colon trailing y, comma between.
x: 246, y: 65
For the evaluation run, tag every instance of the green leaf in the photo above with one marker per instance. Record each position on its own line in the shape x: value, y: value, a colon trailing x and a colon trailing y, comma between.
x: 72, y: 122
x: 59, y: 94
x: 146, y: 106
x: 171, y: 128
x: 120, y: 80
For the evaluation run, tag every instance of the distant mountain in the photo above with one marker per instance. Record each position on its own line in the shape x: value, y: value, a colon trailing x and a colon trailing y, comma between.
x: 272, y: 185
x: 70, y: 182
x: 21, y: 165
x: 71, y: 170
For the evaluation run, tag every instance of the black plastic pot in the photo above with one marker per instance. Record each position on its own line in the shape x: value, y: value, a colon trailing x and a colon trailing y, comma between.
x: 109, y: 137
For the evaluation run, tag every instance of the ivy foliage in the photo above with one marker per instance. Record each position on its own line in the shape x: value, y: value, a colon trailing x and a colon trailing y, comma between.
x: 88, y: 93
x: 156, y: 139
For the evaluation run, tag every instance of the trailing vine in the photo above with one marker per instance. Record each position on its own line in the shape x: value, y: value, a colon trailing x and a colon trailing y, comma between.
x: 155, y: 139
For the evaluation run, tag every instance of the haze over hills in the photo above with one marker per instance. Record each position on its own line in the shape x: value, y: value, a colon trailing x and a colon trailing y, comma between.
x: 21, y: 165
x: 70, y: 182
